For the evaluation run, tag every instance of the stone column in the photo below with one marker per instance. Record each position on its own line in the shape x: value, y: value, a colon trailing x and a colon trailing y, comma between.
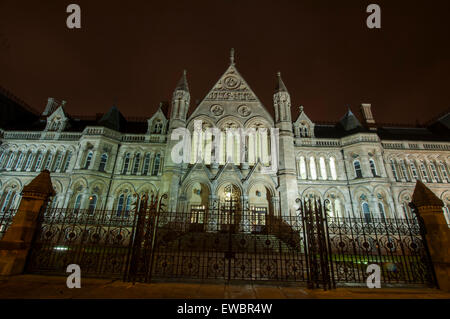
x: 429, y: 207
x: 15, y: 244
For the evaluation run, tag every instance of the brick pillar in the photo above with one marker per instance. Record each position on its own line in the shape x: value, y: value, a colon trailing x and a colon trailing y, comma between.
x: 429, y: 207
x: 15, y: 244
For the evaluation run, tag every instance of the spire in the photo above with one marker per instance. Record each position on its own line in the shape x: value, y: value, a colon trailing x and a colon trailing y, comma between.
x: 349, y: 121
x: 280, y: 85
x: 423, y: 196
x: 182, y: 84
x: 232, y: 56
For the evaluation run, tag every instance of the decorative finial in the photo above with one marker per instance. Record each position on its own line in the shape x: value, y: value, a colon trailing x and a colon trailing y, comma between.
x: 184, y: 72
x: 232, y: 56
x: 279, y: 74
x: 301, y: 108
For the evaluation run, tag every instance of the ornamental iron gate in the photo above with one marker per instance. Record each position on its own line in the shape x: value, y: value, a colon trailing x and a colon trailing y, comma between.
x: 230, y: 244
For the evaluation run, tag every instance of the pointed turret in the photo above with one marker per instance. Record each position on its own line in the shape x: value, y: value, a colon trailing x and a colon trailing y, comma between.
x: 182, y: 83
x: 282, y: 102
x: 280, y: 84
x: 180, y: 103
x: 349, y: 121
x: 113, y: 119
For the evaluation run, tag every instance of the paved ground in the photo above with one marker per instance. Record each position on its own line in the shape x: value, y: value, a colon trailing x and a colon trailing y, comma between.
x: 34, y: 286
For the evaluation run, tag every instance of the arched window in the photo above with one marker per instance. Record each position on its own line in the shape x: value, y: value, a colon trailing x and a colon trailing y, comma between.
x: 424, y: 172
x: 404, y: 171
x: 77, y: 202
x: 146, y: 164
x: 92, y: 203
x: 103, y: 161
x: 19, y: 162
x: 9, y: 199
x: 312, y: 167
x: 57, y: 161
x: 120, y: 204
x: 333, y: 168
x: 444, y: 172
x: 381, y: 209
x: 49, y: 161
x: 126, y: 163
x: 303, y: 174
x: 435, y: 173
x: 68, y: 158
x: 366, y: 212
x: 128, y: 205
x: 357, y: 166
x: 29, y: 161
x: 37, y: 165
x: 88, y: 160
x: 323, y: 168
x: 137, y: 161
x: 394, y: 170
x: 414, y: 170
x: 373, y: 167
x: 156, y: 164
x: 338, y: 208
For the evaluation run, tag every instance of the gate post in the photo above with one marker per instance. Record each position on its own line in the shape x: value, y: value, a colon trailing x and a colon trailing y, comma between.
x: 15, y: 244
x: 429, y: 207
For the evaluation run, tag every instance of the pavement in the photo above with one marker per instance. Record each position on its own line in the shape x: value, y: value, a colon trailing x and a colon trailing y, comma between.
x: 54, y: 287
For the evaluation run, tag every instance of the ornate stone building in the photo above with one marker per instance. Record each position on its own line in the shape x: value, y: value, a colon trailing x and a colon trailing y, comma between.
x: 358, y: 167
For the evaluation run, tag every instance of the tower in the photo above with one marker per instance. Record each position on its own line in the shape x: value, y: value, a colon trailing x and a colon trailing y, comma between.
x: 180, y: 103
x: 286, y: 155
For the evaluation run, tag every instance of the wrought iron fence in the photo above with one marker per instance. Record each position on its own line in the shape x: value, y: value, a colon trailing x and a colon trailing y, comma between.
x: 396, y: 245
x: 222, y: 245
x: 99, y: 241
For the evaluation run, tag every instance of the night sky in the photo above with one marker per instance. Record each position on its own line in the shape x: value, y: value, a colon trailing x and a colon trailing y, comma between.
x: 132, y: 53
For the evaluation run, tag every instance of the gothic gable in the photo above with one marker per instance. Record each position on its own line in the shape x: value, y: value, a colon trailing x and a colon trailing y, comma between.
x: 303, y: 126
x: 157, y: 124
x: 231, y: 95
x: 57, y: 120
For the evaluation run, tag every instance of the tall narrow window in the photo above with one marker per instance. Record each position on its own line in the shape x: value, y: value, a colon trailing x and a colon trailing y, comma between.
x: 137, y: 161
x: 381, y: 209
x: 10, y: 160
x: 394, y: 170
x: 57, y: 161
x: 128, y: 205
x: 312, y: 167
x: 88, y: 160
x: 37, y: 166
x: 48, y: 162
x: 8, y: 201
x: 2, y: 158
x: 333, y: 168
x: 435, y: 173
x: 323, y: 168
x: 66, y: 164
x: 126, y: 163
x: 414, y: 170
x: 92, y: 203
x: 156, y: 164
x: 404, y: 171
x: 77, y: 202
x: 444, y: 172
x: 146, y: 164
x: 103, y: 161
x: 424, y: 172
x: 303, y: 168
x: 29, y: 161
x: 366, y: 212
x: 19, y: 162
x: 406, y: 210
x: 120, y: 204
x: 357, y: 166
x: 372, y: 167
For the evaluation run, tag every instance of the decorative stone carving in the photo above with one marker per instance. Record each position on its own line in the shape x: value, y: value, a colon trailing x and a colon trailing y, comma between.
x: 231, y: 82
x: 244, y: 110
x: 216, y: 110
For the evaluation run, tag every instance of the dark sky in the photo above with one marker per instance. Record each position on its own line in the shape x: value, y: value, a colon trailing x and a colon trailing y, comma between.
x: 132, y: 53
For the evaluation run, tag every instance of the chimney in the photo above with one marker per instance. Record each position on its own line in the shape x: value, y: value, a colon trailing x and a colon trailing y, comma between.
x: 367, y: 115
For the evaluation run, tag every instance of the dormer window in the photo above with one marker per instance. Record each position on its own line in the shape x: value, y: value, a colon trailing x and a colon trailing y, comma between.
x: 157, y: 127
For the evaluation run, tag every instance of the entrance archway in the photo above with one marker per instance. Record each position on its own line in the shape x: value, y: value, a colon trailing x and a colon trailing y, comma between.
x: 230, y: 207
